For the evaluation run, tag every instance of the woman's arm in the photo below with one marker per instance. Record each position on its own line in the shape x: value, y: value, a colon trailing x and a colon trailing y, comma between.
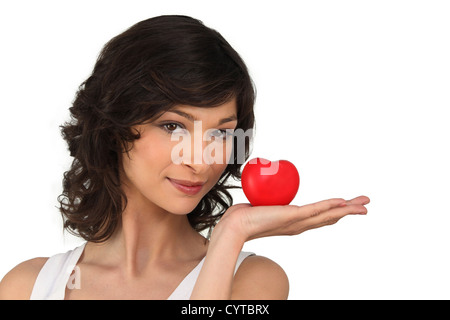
x: 216, y: 277
x: 242, y: 223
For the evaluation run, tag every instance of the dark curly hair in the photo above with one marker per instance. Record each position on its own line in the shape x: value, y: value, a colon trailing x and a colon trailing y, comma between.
x: 153, y: 66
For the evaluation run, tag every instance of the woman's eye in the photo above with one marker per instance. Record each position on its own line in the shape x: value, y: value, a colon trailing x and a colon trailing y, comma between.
x: 173, y: 127
x: 222, y: 133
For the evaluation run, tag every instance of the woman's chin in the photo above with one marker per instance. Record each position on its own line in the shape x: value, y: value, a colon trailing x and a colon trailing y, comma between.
x: 182, y: 207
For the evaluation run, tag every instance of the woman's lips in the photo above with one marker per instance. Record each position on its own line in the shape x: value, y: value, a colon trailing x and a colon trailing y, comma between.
x: 188, y: 187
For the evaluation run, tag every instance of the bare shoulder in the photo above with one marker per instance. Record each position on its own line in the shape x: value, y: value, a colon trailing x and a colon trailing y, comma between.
x: 260, y: 278
x: 18, y: 283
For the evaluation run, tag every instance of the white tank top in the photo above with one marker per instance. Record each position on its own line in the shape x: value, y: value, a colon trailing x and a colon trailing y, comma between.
x: 55, y: 274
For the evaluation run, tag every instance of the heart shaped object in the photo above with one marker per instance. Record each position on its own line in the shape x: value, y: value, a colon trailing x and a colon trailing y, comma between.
x: 270, y: 183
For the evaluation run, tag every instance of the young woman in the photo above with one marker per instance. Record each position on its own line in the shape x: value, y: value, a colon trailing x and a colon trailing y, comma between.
x: 139, y: 209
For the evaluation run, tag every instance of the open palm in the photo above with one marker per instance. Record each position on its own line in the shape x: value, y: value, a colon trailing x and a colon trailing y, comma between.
x: 262, y: 221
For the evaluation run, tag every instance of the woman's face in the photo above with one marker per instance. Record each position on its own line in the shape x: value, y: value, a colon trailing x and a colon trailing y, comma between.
x: 184, y: 146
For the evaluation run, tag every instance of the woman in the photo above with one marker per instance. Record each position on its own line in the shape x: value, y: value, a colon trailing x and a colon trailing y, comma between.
x: 138, y: 204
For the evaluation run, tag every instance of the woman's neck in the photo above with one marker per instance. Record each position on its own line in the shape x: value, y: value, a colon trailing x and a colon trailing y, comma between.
x: 148, y: 235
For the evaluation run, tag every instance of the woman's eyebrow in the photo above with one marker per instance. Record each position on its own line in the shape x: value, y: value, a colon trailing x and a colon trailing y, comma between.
x: 192, y: 118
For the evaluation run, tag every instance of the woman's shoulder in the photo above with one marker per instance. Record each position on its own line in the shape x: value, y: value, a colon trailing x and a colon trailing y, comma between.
x: 259, y: 277
x: 18, y: 283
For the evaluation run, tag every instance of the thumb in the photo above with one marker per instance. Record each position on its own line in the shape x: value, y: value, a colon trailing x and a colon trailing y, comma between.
x: 238, y: 206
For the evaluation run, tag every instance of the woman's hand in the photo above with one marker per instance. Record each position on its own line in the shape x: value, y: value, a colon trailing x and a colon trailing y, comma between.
x: 250, y: 222
x: 244, y: 222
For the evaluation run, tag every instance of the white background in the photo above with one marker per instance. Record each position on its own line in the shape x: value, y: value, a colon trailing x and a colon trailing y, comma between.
x: 354, y: 93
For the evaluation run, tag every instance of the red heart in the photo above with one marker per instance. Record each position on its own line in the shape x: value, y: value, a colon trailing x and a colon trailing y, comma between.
x: 267, y: 183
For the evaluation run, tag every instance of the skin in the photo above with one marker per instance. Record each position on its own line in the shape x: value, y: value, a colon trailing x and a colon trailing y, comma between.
x: 154, y: 247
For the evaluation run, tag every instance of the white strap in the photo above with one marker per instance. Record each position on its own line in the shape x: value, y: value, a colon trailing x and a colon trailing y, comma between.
x: 52, y: 279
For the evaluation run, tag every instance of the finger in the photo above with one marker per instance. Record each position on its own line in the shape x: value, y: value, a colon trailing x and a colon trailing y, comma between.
x: 362, y: 200
x: 329, y: 217
x: 315, y: 209
x: 335, y: 214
